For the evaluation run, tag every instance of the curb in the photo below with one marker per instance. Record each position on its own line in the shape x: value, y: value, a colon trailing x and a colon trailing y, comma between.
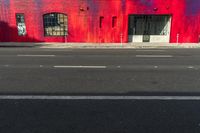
x: 121, y: 47
x: 104, y: 46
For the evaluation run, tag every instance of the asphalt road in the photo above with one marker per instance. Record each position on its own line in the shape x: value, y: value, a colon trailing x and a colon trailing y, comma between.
x: 99, y: 91
x: 92, y: 71
x: 99, y: 116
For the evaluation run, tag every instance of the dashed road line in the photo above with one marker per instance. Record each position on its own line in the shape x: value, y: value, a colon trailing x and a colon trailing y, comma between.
x: 154, y: 56
x: 155, y: 66
x: 114, y: 67
x: 92, y: 67
x: 150, y: 50
x: 191, y: 67
x: 36, y: 55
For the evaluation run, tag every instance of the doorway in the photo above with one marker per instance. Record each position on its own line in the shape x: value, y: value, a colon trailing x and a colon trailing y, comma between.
x: 149, y: 28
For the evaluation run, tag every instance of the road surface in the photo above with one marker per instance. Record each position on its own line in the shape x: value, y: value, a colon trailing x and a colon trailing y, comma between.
x: 99, y: 91
x: 90, y: 71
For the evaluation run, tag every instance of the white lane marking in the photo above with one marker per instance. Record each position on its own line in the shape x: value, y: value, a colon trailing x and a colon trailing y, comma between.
x: 118, y: 66
x: 100, y: 67
x: 154, y: 56
x: 44, y: 97
x: 155, y: 66
x: 63, y: 50
x: 6, y: 65
x: 191, y: 67
x: 150, y: 50
x: 37, y: 55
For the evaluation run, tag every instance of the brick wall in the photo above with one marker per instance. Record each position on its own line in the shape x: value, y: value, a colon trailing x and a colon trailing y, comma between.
x: 84, y: 19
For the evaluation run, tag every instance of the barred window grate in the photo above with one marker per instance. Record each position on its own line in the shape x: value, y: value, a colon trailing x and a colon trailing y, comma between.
x: 55, y: 24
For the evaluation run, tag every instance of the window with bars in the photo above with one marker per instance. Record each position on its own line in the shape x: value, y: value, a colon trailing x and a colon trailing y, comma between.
x: 21, y: 26
x: 55, y: 24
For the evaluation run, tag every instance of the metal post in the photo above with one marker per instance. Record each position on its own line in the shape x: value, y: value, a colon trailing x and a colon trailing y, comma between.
x: 65, y: 38
x: 177, y: 38
x: 65, y: 32
x: 199, y: 39
x: 121, y: 38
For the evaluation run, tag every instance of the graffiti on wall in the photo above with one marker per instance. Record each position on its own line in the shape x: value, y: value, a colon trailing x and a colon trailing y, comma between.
x: 84, y: 18
x: 21, y: 29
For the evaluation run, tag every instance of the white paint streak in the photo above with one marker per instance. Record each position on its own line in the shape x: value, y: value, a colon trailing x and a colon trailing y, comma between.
x: 99, y: 67
x: 191, y: 67
x: 167, y: 98
x: 36, y: 55
x: 154, y: 56
x: 155, y: 66
x: 150, y: 50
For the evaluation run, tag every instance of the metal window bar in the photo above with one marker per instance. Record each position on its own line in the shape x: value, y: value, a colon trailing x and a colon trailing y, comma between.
x: 57, y: 22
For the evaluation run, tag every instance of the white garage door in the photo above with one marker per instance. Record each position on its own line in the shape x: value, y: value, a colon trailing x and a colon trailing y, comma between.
x: 149, y: 28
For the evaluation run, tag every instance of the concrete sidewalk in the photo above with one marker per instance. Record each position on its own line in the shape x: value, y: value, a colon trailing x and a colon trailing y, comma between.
x: 102, y: 45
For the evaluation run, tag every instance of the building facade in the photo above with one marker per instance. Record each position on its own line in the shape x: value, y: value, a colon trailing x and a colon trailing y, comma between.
x: 100, y: 21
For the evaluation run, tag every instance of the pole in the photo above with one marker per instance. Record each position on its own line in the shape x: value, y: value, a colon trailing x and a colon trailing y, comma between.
x: 177, y: 38
x: 121, y: 38
x: 65, y: 38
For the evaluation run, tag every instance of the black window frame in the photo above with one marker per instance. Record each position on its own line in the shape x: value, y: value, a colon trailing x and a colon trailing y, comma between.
x: 55, y: 24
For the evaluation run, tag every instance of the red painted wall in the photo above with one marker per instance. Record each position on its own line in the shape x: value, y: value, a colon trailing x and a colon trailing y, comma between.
x: 84, y: 17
